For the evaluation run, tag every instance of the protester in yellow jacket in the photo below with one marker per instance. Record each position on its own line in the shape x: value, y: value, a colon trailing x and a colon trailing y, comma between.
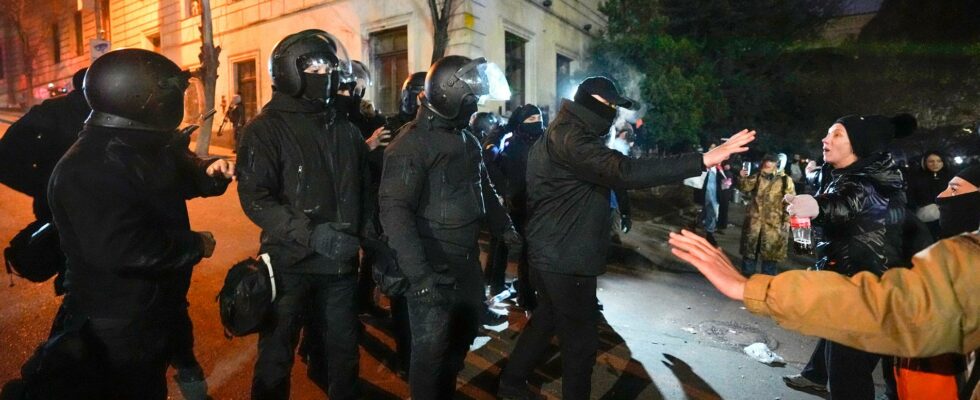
x: 930, y: 309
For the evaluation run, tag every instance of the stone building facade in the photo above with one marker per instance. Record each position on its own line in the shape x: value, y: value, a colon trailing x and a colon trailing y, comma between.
x: 539, y: 43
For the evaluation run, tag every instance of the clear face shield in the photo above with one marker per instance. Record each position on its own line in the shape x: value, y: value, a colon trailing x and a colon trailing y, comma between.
x: 323, y: 64
x: 360, y: 79
x: 485, y: 79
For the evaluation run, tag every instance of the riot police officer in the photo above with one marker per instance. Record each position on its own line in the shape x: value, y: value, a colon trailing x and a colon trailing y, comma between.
x: 304, y: 181
x: 118, y: 200
x: 434, y: 194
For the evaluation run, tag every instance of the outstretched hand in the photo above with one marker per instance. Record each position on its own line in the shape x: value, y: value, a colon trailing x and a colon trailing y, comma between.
x: 738, y: 143
x: 710, y: 261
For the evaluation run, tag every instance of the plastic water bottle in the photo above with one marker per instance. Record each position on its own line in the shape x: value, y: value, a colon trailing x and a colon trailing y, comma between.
x: 802, y: 235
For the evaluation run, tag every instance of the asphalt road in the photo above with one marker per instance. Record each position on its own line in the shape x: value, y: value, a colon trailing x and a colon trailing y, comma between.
x: 668, y: 334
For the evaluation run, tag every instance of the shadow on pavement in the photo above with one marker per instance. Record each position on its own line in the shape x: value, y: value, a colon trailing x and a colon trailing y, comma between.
x: 694, y: 387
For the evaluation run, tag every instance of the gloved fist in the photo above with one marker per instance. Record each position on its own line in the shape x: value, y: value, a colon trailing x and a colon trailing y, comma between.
x: 329, y: 240
x: 207, y: 241
x: 625, y: 222
x: 514, y: 243
x: 803, y: 205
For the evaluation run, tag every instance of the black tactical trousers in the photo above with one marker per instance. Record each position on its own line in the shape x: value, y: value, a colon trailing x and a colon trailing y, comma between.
x: 846, y: 371
x: 567, y: 307
x: 334, y: 317
x: 442, y: 333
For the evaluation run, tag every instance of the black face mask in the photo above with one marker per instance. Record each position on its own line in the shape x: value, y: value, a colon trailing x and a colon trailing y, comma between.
x: 605, y: 112
x: 316, y: 87
x: 532, y: 130
x: 958, y: 214
x: 410, y: 101
x: 466, y: 110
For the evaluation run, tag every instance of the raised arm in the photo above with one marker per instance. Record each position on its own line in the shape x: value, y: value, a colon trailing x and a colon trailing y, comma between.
x: 930, y: 309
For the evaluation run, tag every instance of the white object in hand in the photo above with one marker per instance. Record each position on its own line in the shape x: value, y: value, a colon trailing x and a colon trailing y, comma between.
x: 802, y: 205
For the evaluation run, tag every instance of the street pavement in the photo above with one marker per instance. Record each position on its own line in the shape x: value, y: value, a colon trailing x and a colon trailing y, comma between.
x: 667, y: 333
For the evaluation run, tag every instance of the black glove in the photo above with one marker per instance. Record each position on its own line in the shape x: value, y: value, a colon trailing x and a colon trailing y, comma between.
x: 384, y: 268
x: 514, y: 243
x: 625, y: 222
x: 330, y: 241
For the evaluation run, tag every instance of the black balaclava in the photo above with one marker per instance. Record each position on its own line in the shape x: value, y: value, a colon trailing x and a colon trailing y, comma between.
x: 958, y: 214
x: 586, y: 100
x: 528, y: 130
x: 316, y: 87
x: 467, y: 108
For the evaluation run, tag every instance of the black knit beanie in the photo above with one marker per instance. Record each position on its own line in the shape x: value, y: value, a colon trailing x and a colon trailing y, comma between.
x: 870, y: 134
x: 971, y: 174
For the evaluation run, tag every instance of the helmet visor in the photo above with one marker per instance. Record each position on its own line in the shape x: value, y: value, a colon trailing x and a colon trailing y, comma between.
x: 485, y: 79
x: 325, y: 63
x: 318, y: 63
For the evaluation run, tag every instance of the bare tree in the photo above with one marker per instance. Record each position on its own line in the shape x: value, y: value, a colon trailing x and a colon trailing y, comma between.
x: 209, y: 77
x: 440, y: 25
x: 14, y: 16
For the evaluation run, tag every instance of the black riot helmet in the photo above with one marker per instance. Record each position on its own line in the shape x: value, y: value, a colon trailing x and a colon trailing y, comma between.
x: 455, y: 85
x: 482, y: 123
x: 135, y: 89
x: 309, y: 64
x: 358, y: 81
x: 413, y: 85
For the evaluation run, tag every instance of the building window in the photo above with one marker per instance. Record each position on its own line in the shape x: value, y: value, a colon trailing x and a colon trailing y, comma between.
x: 389, y: 56
x: 154, y: 42
x: 56, y: 42
x: 106, y: 19
x: 514, y: 69
x: 563, y: 79
x: 246, y: 86
x: 193, y: 8
x: 79, y: 49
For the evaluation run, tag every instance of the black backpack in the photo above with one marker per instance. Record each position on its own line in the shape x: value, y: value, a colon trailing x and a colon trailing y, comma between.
x: 35, y: 253
x: 245, y: 300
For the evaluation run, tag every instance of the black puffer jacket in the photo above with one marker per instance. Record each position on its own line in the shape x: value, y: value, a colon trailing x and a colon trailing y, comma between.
x: 299, y: 165
x: 570, y: 172
x: 118, y: 200
x: 434, y: 192
x: 854, y: 213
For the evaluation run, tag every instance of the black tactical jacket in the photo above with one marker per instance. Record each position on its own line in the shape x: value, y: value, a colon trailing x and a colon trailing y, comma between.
x: 570, y: 173
x: 854, y: 214
x: 434, y: 192
x: 34, y: 144
x: 118, y: 200
x: 299, y: 165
